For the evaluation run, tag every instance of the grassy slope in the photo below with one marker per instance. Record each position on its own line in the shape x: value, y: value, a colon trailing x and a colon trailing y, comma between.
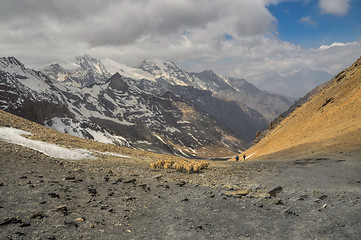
x: 329, y: 122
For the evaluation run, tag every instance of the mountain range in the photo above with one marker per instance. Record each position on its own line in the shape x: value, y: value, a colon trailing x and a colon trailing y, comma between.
x: 154, y: 106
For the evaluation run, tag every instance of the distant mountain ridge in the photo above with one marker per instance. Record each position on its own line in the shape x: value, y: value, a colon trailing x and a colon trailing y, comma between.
x: 156, y: 76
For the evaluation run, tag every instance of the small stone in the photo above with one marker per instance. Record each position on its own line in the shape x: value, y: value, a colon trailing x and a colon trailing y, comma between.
x: 278, y: 202
x: 322, y: 197
x: 12, y: 220
x: 303, y: 197
x: 200, y: 228
x: 81, y: 219
x: 118, y: 181
x: 92, y: 191
x: 130, y: 180
x: 25, y: 225
x: 62, y: 209
x: 54, y: 195
x: 275, y: 191
x: 104, y: 207
x: 181, y: 183
x: 38, y: 215
x: 238, y: 193
x: 71, y: 224
x: 157, y: 176
x: 69, y: 178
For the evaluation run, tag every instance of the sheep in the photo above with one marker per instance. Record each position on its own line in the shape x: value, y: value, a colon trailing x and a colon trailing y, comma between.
x: 160, y: 163
x: 197, y: 167
x: 189, y: 168
x: 153, y: 165
x: 204, y: 165
x: 168, y: 165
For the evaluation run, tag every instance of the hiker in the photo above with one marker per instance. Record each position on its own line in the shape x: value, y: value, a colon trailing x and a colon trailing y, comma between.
x: 244, y: 157
x: 237, y: 157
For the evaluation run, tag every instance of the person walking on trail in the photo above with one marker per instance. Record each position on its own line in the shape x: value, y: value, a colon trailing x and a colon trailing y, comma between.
x: 237, y: 157
x: 244, y: 157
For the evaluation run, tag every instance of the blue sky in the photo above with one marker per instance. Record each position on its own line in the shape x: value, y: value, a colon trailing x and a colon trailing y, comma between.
x: 305, y: 23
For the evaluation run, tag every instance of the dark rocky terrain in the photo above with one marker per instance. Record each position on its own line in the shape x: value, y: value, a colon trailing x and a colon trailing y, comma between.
x: 46, y: 198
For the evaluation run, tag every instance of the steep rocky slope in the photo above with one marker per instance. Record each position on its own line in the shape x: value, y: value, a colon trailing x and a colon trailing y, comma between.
x: 329, y: 121
x: 245, y: 94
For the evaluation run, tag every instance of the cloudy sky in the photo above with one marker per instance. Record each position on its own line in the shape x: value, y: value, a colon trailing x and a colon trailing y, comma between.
x: 238, y: 38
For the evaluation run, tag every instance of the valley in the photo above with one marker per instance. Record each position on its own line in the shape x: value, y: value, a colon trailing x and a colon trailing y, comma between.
x: 301, y: 180
x: 118, y: 196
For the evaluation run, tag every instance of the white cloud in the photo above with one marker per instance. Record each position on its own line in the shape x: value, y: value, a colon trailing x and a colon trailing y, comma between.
x: 335, y: 7
x: 190, y: 33
x: 308, y: 20
x: 336, y: 44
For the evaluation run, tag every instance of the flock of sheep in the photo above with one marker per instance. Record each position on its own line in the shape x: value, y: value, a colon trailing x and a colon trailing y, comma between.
x: 180, y: 166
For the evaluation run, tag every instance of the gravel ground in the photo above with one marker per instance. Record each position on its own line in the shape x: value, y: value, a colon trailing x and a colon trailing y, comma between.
x: 47, y: 198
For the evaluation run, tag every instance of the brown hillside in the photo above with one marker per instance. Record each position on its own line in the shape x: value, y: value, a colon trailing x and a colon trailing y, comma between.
x: 328, y: 122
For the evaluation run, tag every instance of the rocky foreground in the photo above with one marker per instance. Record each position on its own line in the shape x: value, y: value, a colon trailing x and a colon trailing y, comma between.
x: 315, y: 197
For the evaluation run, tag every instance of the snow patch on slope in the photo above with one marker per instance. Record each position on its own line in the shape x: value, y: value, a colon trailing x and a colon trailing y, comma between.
x: 13, y: 135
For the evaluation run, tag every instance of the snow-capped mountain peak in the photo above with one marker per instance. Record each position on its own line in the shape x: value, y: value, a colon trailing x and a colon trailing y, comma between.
x: 88, y: 63
x: 125, y: 70
x: 154, y: 65
x: 80, y: 71
x: 8, y: 61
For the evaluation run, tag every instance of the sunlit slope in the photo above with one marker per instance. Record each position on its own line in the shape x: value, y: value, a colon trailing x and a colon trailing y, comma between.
x: 328, y: 122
